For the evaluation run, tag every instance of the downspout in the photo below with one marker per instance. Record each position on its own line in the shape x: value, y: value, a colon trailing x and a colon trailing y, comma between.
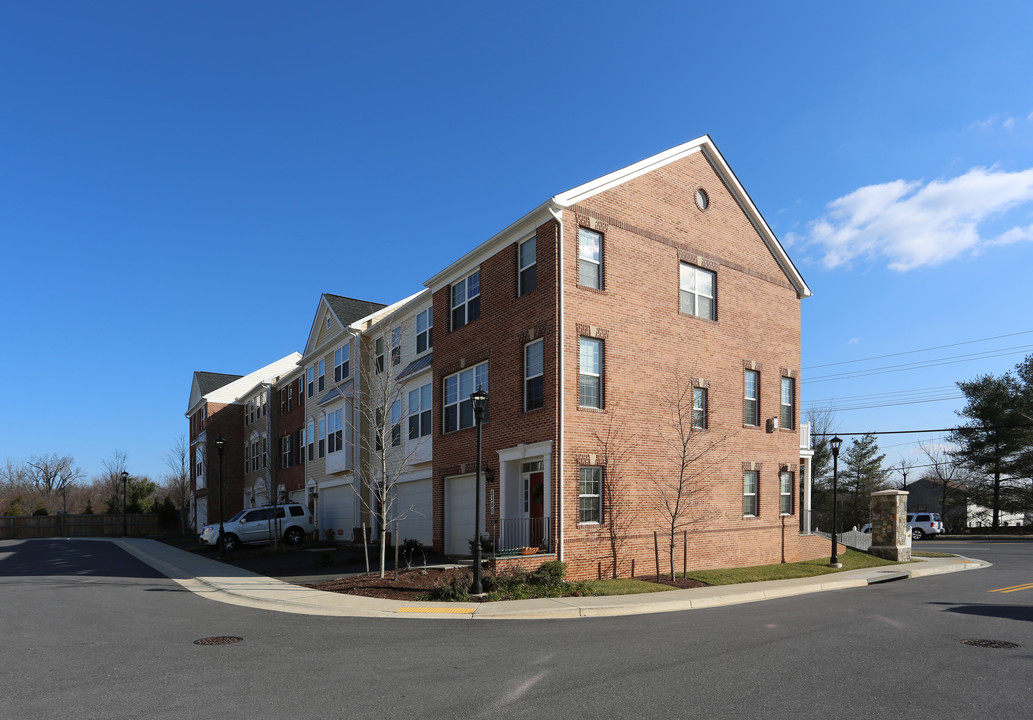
x: 560, y: 267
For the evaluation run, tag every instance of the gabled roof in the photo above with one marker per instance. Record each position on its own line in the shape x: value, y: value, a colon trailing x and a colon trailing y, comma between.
x: 239, y: 386
x: 208, y: 381
x: 703, y: 144
x: 345, y: 310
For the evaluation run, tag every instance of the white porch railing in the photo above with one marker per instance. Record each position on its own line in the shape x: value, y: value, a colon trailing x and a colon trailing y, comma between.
x: 512, y: 533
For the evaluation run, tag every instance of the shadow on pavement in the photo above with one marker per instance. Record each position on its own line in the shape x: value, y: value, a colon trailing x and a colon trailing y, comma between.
x: 69, y: 557
x: 1007, y: 612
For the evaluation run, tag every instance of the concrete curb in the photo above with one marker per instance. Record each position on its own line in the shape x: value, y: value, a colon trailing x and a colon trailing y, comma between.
x: 223, y: 583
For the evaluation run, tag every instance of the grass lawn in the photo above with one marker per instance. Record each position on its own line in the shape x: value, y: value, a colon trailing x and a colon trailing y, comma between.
x: 625, y: 586
x: 851, y: 559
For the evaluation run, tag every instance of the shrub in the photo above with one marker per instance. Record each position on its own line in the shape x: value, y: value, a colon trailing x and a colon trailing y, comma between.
x: 411, y: 549
x: 456, y: 590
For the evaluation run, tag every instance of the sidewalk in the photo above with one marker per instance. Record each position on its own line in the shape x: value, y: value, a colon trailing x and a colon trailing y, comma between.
x: 225, y: 583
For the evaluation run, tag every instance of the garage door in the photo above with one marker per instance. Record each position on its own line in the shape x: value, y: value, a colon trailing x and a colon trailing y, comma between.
x: 419, y: 521
x: 459, y: 501
x: 337, y: 512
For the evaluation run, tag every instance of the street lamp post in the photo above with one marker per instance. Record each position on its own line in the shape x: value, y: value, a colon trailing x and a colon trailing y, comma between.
x: 125, y: 495
x: 220, y: 443
x: 836, y: 443
x: 480, y: 401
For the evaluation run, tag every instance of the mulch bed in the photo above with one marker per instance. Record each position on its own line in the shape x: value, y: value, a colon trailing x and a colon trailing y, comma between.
x: 413, y: 584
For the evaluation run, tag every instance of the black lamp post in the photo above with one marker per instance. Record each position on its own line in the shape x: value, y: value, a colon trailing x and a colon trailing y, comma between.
x: 220, y: 443
x: 836, y: 443
x: 125, y: 495
x: 480, y: 401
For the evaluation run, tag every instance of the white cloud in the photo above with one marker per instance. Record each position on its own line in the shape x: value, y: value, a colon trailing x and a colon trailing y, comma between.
x: 913, y: 224
x: 1008, y: 123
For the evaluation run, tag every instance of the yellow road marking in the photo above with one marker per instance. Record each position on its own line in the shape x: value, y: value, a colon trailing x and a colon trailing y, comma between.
x: 1013, y: 588
x: 445, y: 611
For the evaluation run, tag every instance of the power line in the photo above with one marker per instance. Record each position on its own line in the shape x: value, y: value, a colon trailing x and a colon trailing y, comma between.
x: 920, y: 365
x: 915, y: 432
x: 912, y: 352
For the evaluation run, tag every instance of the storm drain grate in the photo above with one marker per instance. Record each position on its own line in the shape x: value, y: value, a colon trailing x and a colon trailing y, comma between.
x: 218, y: 640
x: 996, y: 644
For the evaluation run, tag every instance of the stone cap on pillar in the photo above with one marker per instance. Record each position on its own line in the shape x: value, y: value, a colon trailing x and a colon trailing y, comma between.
x: 889, y: 492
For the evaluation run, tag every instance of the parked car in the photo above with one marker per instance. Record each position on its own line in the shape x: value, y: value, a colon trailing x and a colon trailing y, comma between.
x: 290, y: 522
x: 924, y: 523
x: 866, y: 528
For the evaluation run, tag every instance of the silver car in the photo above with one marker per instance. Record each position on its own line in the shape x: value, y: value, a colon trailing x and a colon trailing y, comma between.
x: 922, y: 524
x: 290, y: 522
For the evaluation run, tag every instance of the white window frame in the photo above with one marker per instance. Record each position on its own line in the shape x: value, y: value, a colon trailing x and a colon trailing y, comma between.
x: 456, y: 395
x: 785, y: 492
x: 334, y: 431
x: 378, y: 355
x: 595, y: 497
x: 396, y: 345
x: 310, y: 371
x: 593, y: 371
x: 463, y: 307
x: 587, y: 265
x: 342, y: 362
x: 285, y: 451
x: 321, y: 435
x: 396, y: 423
x: 527, y: 267
x: 531, y: 374
x: 321, y: 376
x: 751, y: 403
x: 751, y: 493
x: 788, y: 409
x: 689, y: 286
x: 425, y: 330
x: 700, y: 401
x: 421, y: 411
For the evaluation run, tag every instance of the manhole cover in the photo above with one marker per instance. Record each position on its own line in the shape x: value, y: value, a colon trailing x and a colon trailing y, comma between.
x: 218, y: 640
x: 996, y: 644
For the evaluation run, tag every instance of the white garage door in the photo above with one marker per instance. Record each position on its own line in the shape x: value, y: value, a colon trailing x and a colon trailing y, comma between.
x: 337, y: 512
x: 419, y: 520
x: 459, y: 501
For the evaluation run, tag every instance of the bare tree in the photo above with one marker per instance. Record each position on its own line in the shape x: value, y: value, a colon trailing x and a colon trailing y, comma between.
x: 177, y: 480
x: 691, y: 454
x: 386, y: 455
x: 52, y: 473
x: 950, y: 471
x: 111, y: 479
x: 905, y: 468
x: 618, y: 511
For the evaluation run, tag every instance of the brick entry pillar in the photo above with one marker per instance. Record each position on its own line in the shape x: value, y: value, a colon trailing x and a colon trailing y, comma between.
x: 890, y: 538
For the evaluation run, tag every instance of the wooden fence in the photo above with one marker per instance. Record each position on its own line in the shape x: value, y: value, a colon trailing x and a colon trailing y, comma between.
x: 43, y: 526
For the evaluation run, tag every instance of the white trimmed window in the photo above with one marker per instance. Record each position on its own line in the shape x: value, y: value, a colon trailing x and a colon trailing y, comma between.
x: 458, y: 407
x: 785, y: 492
x: 591, y: 372
x: 199, y: 466
x: 590, y: 494
x: 751, y: 398
x: 749, y: 493
x: 421, y: 402
x: 788, y: 402
x: 321, y: 438
x: 425, y: 331
x: 335, y: 430
x: 285, y: 451
x: 466, y: 300
x: 378, y: 356
x: 342, y: 361
x: 590, y: 258
x: 321, y: 380
x: 699, y: 408
x: 697, y: 291
x: 311, y: 380
x: 534, y: 376
x: 396, y: 346
x: 396, y: 423
x: 311, y: 435
x: 528, y: 265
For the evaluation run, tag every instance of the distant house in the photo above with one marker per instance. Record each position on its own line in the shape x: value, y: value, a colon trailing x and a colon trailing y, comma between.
x: 956, y: 508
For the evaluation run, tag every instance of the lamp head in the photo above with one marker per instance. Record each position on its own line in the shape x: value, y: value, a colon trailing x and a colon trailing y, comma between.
x: 836, y: 443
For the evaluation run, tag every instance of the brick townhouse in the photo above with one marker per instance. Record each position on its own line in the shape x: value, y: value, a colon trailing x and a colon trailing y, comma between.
x: 584, y: 320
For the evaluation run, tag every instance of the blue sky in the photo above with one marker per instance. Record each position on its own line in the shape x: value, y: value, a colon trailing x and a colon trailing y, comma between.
x: 164, y: 167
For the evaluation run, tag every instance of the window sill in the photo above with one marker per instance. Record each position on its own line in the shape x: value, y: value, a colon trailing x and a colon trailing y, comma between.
x: 697, y: 317
x: 586, y: 408
x: 589, y: 288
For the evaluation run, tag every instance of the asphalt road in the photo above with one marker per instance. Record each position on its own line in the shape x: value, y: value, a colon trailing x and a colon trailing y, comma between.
x: 89, y: 632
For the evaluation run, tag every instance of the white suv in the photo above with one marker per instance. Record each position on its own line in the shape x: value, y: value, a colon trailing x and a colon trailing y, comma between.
x: 291, y: 522
x: 921, y: 524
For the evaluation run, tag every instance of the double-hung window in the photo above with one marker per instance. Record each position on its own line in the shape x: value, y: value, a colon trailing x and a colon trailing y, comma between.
x: 311, y: 380
x: 590, y: 258
x: 788, y: 402
x: 420, y: 402
x: 396, y: 423
x: 285, y: 451
x: 321, y: 425
x: 458, y: 407
x: 342, y: 358
x: 321, y: 380
x: 785, y: 492
x: 335, y: 430
x: 590, y: 494
x: 396, y: 346
x: 699, y: 408
x: 466, y: 300
x: 311, y: 435
x: 751, y: 398
x: 378, y: 356
x: 534, y: 376
x: 697, y: 291
x: 425, y: 331
x: 528, y: 252
x: 591, y: 373
x: 749, y: 493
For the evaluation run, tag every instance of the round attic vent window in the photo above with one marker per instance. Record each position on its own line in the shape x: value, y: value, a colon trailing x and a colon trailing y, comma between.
x: 702, y: 201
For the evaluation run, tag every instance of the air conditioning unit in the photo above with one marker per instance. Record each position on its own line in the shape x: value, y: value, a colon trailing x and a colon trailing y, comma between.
x: 772, y: 424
